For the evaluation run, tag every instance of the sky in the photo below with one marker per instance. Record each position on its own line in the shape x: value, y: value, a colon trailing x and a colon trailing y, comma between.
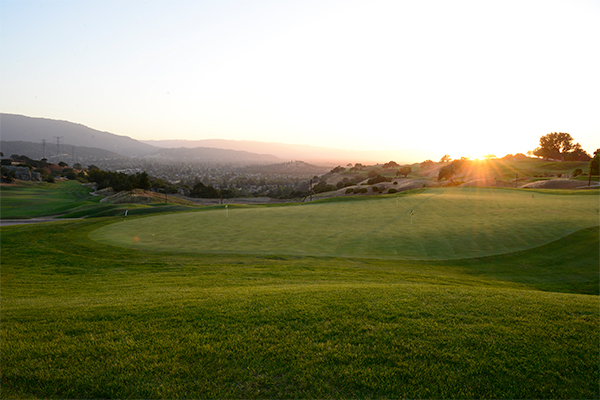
x: 424, y: 78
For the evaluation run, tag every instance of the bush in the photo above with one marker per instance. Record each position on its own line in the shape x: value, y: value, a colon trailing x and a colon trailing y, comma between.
x: 363, y: 190
x: 577, y: 172
x: 377, y: 179
x: 50, y: 179
x: 348, y: 191
x: 375, y: 189
x: 392, y: 190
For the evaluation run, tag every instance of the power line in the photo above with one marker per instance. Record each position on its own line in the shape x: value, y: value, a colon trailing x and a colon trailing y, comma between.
x: 58, y: 145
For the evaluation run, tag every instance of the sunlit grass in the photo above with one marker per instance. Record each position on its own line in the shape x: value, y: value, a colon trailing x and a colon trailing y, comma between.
x: 447, y: 224
x: 86, y: 320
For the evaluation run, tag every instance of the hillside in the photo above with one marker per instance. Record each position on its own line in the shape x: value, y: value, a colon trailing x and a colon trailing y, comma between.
x: 24, y: 136
x: 36, y: 151
x: 28, y: 129
x: 212, y: 155
x: 308, y: 153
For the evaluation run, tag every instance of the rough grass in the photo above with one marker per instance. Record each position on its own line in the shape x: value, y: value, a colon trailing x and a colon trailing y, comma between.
x: 82, y: 319
x: 448, y: 223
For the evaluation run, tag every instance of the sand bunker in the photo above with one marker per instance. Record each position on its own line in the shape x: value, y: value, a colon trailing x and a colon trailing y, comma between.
x: 558, y: 184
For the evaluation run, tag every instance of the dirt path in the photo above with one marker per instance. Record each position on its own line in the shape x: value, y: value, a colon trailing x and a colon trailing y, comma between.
x: 48, y: 218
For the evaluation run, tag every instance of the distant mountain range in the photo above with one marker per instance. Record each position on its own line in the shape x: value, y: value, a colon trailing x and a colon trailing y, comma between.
x: 24, y: 136
x: 314, y: 154
x: 26, y: 129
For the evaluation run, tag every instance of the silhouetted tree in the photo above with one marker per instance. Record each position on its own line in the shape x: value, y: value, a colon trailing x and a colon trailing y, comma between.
x: 391, y: 164
x: 595, y: 163
x: 447, y: 172
x: 559, y: 145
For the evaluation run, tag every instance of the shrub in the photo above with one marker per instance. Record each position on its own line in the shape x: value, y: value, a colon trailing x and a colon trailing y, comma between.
x: 377, y: 179
x: 348, y: 191
x: 392, y: 190
x: 577, y: 172
x: 375, y: 189
x: 363, y: 190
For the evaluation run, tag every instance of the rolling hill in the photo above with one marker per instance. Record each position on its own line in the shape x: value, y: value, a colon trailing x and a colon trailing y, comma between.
x: 28, y: 129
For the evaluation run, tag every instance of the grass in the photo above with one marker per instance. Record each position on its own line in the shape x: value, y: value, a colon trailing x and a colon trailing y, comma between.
x: 339, y: 298
x: 448, y: 223
x: 73, y: 200
x: 29, y: 200
x: 82, y: 319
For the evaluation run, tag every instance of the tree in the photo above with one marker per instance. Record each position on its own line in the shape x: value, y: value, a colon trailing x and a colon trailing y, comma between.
x: 559, y: 145
x: 391, y: 164
x: 202, y: 191
x: 427, y: 164
x: 404, y: 171
x: 445, y: 159
x: 577, y: 154
x: 143, y: 182
x: 595, y: 163
x: 447, y: 172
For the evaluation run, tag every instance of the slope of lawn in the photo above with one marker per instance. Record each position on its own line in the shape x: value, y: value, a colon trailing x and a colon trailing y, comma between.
x: 41, y: 199
x: 447, y: 223
x: 82, y: 319
x: 73, y: 200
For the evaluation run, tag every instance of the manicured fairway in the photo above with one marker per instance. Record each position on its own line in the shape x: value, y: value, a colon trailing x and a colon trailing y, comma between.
x: 43, y: 199
x: 447, y: 224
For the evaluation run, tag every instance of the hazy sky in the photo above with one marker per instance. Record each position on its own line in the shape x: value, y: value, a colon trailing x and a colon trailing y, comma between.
x: 424, y: 77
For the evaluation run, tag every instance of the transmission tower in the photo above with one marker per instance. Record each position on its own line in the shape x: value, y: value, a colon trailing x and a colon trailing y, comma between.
x: 58, y: 145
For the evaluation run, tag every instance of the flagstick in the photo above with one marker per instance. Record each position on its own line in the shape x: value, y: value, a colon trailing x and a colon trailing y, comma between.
x: 226, y: 211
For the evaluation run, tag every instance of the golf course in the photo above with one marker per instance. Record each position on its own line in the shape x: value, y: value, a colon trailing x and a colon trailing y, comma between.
x: 446, y: 292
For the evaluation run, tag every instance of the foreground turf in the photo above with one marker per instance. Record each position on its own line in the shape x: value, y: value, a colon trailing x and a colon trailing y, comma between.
x: 86, y: 320
x: 451, y: 223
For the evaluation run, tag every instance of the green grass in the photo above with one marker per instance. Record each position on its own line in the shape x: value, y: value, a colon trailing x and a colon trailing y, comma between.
x: 82, y: 319
x: 450, y: 223
x: 41, y: 199
x: 72, y: 200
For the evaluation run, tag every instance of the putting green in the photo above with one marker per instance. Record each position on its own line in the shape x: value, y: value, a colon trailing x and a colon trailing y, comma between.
x: 447, y: 224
